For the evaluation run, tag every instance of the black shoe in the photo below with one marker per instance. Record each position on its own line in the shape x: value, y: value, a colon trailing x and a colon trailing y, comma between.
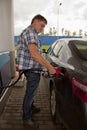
x: 30, y: 124
x: 35, y: 109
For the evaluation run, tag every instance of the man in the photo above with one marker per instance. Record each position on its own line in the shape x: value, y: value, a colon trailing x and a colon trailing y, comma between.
x: 29, y: 59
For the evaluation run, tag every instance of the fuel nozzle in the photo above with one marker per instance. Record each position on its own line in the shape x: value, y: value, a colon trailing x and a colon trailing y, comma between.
x: 58, y: 71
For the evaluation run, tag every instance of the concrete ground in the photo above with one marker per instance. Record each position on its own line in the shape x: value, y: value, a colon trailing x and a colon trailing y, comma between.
x: 11, y: 117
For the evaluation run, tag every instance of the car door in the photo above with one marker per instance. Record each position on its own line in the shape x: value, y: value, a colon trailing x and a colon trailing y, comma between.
x: 62, y: 53
x: 63, y: 84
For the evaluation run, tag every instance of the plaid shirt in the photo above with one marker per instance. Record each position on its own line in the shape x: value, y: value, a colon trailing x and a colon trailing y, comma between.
x: 24, y: 59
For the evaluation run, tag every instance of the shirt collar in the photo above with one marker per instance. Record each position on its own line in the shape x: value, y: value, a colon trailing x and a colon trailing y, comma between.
x: 33, y: 29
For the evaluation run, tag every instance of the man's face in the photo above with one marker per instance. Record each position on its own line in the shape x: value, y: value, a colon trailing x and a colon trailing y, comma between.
x: 39, y: 25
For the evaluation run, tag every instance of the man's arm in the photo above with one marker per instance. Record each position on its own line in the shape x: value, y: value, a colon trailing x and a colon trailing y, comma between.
x: 39, y: 58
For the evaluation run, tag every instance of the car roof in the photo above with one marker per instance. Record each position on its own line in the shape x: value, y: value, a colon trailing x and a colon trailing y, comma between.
x: 67, y: 40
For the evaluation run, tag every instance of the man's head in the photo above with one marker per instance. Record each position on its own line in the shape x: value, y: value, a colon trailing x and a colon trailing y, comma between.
x: 39, y: 22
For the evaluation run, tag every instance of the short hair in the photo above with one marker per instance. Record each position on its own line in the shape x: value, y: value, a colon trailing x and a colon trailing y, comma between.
x: 40, y: 18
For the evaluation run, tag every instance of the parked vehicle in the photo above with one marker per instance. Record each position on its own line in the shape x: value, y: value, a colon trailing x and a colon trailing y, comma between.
x: 68, y: 92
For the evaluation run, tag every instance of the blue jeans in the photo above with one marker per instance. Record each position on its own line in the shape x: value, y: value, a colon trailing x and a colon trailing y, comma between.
x: 31, y: 89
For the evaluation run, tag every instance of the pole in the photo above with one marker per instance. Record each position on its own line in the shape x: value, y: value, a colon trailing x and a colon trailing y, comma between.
x: 59, y: 4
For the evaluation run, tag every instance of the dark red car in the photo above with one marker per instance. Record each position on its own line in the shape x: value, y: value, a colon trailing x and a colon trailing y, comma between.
x: 68, y: 90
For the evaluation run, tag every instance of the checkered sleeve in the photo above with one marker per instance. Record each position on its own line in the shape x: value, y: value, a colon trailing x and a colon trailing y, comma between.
x: 30, y: 37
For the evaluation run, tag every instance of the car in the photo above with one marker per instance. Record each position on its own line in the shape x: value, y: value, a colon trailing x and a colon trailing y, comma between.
x: 68, y: 89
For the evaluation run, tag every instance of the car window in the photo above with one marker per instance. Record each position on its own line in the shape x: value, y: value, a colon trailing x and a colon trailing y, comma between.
x: 81, y: 48
x: 64, y: 53
x: 60, y: 50
x: 57, y: 49
x: 50, y: 50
